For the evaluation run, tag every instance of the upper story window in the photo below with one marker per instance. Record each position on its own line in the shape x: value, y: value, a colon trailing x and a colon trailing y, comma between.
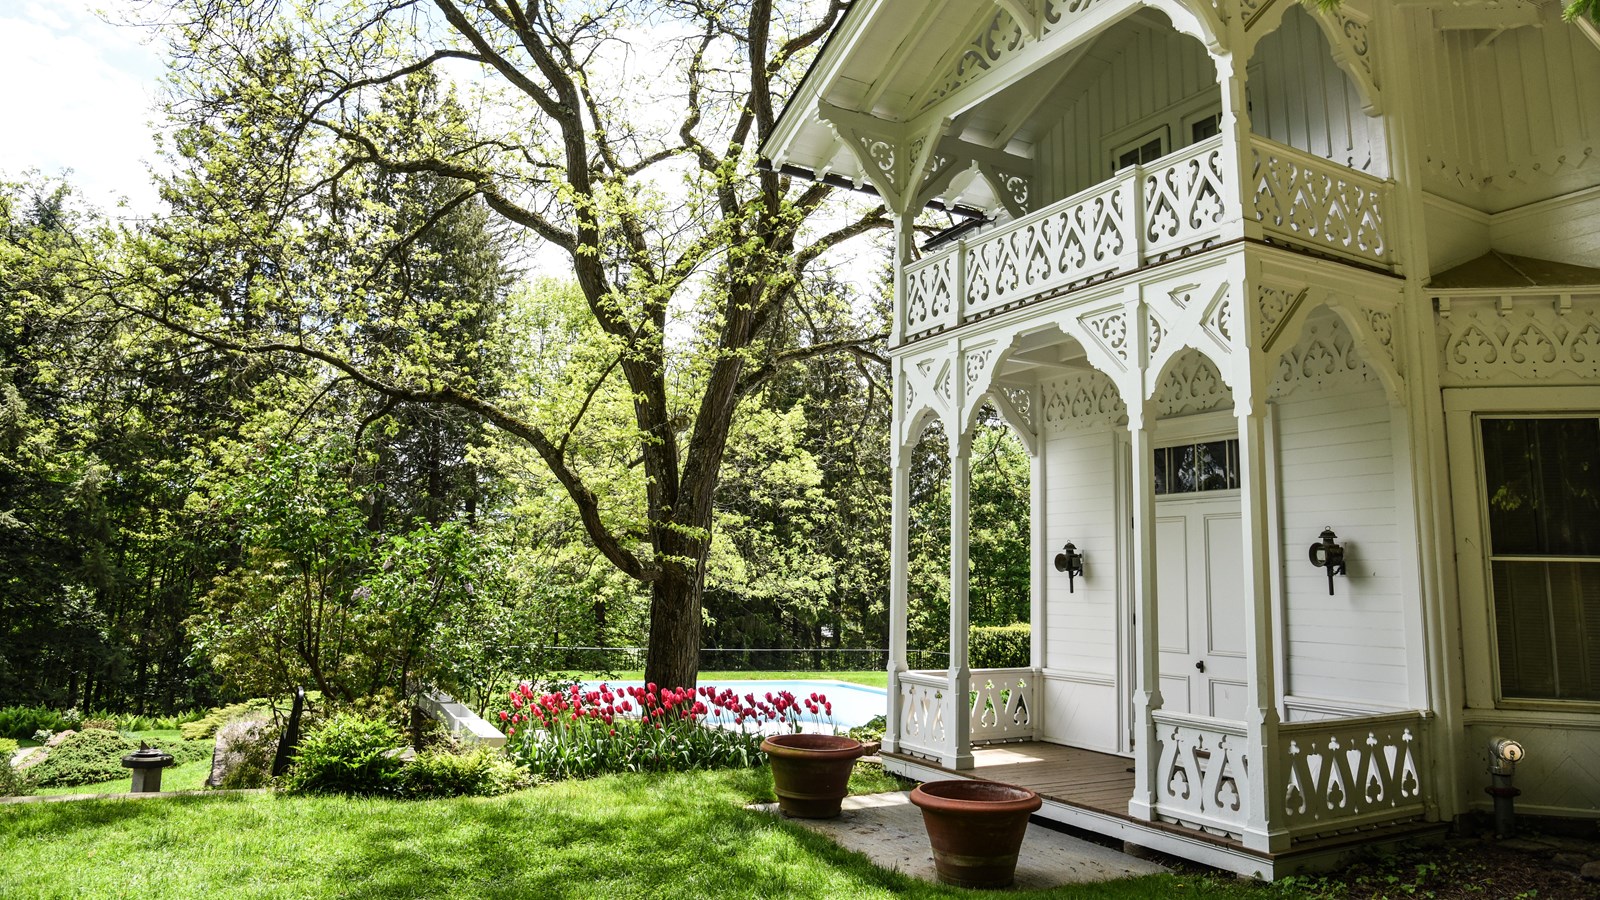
x: 1206, y: 126
x: 1541, y: 481
x: 1146, y: 148
x: 1197, y: 467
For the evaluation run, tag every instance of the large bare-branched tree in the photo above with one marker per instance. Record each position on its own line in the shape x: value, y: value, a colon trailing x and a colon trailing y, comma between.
x: 621, y: 134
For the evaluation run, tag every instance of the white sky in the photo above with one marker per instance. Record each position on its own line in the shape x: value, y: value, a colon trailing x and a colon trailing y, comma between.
x: 79, y: 94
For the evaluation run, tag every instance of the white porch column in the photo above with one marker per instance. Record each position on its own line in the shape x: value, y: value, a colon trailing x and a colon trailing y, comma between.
x: 1237, y: 155
x: 1265, y: 782
x: 1147, y: 654
x: 899, y: 551
x: 957, y: 705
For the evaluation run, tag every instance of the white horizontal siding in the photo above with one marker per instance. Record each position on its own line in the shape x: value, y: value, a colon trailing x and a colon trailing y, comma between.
x: 1080, y: 506
x: 1336, y: 469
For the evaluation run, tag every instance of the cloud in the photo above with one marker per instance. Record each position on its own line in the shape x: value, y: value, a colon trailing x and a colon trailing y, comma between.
x: 80, y: 96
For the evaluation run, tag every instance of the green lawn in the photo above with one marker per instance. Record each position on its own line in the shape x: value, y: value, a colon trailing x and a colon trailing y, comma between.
x: 634, y: 836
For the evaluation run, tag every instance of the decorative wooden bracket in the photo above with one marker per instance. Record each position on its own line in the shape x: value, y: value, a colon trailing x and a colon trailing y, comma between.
x: 1353, y: 52
x: 906, y: 168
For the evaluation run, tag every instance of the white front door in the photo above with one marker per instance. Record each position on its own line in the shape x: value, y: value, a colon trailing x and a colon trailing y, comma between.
x: 1200, y: 592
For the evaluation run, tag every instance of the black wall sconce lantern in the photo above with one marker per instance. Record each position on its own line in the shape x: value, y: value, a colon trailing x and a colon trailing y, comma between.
x: 1070, y: 561
x: 1331, y: 558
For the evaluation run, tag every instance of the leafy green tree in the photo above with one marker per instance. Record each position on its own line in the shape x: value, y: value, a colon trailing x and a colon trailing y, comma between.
x: 642, y: 176
x: 998, y: 534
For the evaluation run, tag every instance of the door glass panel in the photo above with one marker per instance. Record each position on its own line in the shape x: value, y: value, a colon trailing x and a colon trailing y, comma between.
x: 1193, y: 468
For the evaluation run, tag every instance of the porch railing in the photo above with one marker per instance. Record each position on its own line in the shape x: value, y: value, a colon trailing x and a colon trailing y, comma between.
x: 922, y: 716
x: 1001, y: 702
x: 1203, y: 773
x: 1181, y: 200
x: 1002, y: 705
x: 1345, y: 774
x: 1337, y: 775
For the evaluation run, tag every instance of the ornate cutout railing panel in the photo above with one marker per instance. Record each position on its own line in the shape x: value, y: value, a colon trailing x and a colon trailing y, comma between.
x: 1319, y: 204
x: 1341, y: 774
x: 930, y: 292
x: 1002, y: 705
x: 1066, y: 242
x: 922, y: 728
x: 1204, y: 776
x: 1185, y: 197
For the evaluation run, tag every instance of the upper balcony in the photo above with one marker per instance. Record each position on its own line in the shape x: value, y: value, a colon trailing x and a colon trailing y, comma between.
x: 1177, y: 204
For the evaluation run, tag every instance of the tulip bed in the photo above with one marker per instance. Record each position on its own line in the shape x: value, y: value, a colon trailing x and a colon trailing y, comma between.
x: 577, y: 733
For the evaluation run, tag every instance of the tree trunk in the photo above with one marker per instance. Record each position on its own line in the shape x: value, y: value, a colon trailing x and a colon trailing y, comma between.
x: 673, y: 658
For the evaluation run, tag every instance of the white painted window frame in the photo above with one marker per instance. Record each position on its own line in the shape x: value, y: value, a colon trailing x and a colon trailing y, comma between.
x: 1463, y: 407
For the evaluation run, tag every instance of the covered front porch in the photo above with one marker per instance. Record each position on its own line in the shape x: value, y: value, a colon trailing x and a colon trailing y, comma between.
x: 1198, y: 687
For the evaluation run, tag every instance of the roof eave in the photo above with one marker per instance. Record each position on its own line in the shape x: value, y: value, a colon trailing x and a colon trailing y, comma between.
x: 800, y: 106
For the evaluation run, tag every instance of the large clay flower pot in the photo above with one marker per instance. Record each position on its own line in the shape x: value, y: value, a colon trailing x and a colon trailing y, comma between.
x: 976, y: 829
x: 811, y: 772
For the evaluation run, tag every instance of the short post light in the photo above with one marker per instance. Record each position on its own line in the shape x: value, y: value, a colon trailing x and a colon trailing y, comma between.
x: 1070, y: 561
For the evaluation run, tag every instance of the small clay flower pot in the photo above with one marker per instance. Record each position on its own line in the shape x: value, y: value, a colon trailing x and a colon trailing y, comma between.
x: 811, y: 772
x: 976, y: 829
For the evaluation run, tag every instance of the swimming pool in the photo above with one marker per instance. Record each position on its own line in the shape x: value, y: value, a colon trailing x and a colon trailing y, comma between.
x: 853, y: 704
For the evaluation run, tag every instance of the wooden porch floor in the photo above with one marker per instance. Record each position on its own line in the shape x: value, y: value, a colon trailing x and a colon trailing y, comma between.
x: 1098, y: 781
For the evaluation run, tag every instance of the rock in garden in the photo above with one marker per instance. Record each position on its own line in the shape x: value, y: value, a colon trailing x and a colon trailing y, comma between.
x: 58, y: 737
x: 1590, y: 871
x: 235, y: 743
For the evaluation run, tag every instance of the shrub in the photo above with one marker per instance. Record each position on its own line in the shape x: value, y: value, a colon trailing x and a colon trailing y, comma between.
x: 24, y: 721
x: 87, y: 757
x: 12, y: 782
x: 478, y: 772
x: 206, y: 726
x: 182, y: 751
x: 98, y: 724
x: 872, y: 731
x: 1000, y: 647
x: 579, y: 734
x: 8, y: 746
x: 348, y: 754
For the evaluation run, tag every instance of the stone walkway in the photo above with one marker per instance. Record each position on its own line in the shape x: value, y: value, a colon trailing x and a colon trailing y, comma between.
x: 887, y: 829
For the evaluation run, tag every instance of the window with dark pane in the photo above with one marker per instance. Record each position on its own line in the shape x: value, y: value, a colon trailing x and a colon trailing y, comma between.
x: 1542, y: 495
x: 1193, y: 468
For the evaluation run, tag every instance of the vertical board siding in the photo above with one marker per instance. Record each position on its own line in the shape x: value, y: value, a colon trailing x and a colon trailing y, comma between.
x: 1299, y: 96
x: 1080, y: 506
x: 1154, y: 77
x: 1510, y: 122
x: 1152, y: 70
x: 1336, y: 465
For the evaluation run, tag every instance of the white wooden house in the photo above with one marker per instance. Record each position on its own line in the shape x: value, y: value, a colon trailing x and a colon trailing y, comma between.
x: 1250, y: 270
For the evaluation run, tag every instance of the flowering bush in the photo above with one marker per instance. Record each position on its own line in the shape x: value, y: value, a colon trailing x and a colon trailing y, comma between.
x: 576, y: 733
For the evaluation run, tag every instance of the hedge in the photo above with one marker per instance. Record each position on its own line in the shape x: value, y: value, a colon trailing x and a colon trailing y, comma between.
x: 999, y: 647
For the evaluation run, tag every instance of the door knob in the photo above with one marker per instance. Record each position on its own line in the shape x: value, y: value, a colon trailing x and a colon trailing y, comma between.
x: 1201, y: 665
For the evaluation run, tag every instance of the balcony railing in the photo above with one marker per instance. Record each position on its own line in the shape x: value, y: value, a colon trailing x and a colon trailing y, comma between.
x: 1182, y: 200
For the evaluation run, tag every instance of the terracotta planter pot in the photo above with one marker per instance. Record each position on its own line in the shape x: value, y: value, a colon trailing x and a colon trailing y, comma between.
x: 976, y: 829
x: 811, y: 772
